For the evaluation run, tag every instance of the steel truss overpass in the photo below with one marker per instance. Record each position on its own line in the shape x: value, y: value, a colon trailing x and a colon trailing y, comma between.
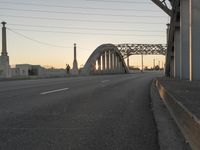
x: 141, y: 49
x: 183, y: 46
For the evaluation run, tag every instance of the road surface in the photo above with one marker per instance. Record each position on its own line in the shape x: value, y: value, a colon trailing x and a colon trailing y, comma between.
x: 84, y: 113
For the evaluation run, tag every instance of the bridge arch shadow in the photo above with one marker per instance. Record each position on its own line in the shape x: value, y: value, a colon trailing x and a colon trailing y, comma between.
x: 106, y: 59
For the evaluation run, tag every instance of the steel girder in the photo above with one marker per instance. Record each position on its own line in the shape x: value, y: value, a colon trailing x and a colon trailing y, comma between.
x: 174, y: 23
x: 139, y: 49
x: 163, y: 5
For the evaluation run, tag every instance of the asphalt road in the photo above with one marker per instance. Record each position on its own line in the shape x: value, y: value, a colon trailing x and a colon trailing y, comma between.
x: 84, y: 113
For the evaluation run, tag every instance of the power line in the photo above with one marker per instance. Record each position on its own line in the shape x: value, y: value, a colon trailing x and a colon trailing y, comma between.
x: 82, y: 20
x: 79, y: 7
x: 43, y: 43
x: 34, y: 40
x: 86, y: 33
x: 82, y: 13
x: 82, y: 28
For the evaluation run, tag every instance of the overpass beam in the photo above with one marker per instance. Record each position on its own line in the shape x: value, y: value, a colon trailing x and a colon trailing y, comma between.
x: 177, y: 62
x: 184, y: 39
x: 163, y: 7
x: 194, y: 7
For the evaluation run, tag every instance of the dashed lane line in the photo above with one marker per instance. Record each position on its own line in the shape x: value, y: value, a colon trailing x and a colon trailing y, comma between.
x: 54, y: 91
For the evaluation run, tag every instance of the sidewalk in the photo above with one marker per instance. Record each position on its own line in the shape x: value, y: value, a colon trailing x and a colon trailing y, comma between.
x: 182, y: 99
x: 186, y: 92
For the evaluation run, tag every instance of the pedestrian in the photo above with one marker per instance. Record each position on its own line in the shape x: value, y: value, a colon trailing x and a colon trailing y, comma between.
x: 68, y: 69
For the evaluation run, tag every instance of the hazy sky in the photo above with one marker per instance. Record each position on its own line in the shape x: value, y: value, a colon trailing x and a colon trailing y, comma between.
x: 89, y: 23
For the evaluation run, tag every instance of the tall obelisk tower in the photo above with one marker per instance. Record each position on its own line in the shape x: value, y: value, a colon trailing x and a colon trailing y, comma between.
x: 5, y: 71
x: 75, y: 64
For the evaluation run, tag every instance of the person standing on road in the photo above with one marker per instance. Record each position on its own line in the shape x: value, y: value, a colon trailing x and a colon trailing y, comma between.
x: 68, y: 69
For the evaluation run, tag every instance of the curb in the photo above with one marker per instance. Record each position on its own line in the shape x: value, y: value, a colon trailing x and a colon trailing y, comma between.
x: 169, y: 135
x: 188, y: 123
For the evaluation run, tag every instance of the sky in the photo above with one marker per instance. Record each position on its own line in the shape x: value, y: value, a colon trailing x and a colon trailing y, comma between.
x: 44, y: 31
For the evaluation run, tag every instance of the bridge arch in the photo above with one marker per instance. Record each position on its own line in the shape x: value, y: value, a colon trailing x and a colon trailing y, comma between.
x: 106, y: 59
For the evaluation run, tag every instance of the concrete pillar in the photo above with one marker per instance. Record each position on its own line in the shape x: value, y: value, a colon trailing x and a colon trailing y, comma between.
x: 5, y: 71
x: 75, y: 63
x: 117, y: 64
x: 99, y: 64
x: 120, y: 66
x: 167, y: 32
x: 4, y: 42
x: 172, y: 67
x: 111, y: 60
x: 107, y: 61
x: 114, y: 61
x: 177, y: 61
x: 184, y: 39
x: 127, y: 59
x: 103, y: 61
x: 194, y: 45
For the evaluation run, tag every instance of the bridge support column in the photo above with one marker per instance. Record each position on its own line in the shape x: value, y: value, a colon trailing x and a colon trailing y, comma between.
x: 120, y: 67
x: 103, y: 62
x: 172, y: 66
x: 184, y: 39
x: 99, y: 64
x: 127, y: 59
x: 107, y: 61
x: 111, y: 61
x: 114, y: 62
x: 177, y: 65
x: 117, y: 64
x: 194, y: 46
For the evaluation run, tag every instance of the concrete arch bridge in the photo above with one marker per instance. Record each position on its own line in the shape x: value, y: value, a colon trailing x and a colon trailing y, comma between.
x: 109, y: 58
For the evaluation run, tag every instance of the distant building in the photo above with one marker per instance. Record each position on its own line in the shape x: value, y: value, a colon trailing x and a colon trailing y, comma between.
x: 25, y: 70
x: 28, y: 70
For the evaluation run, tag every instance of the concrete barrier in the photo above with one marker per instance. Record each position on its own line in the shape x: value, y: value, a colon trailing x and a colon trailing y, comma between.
x: 188, y: 123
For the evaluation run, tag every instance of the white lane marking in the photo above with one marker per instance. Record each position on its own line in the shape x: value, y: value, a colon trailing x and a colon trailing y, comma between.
x: 104, y: 81
x: 48, y: 92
